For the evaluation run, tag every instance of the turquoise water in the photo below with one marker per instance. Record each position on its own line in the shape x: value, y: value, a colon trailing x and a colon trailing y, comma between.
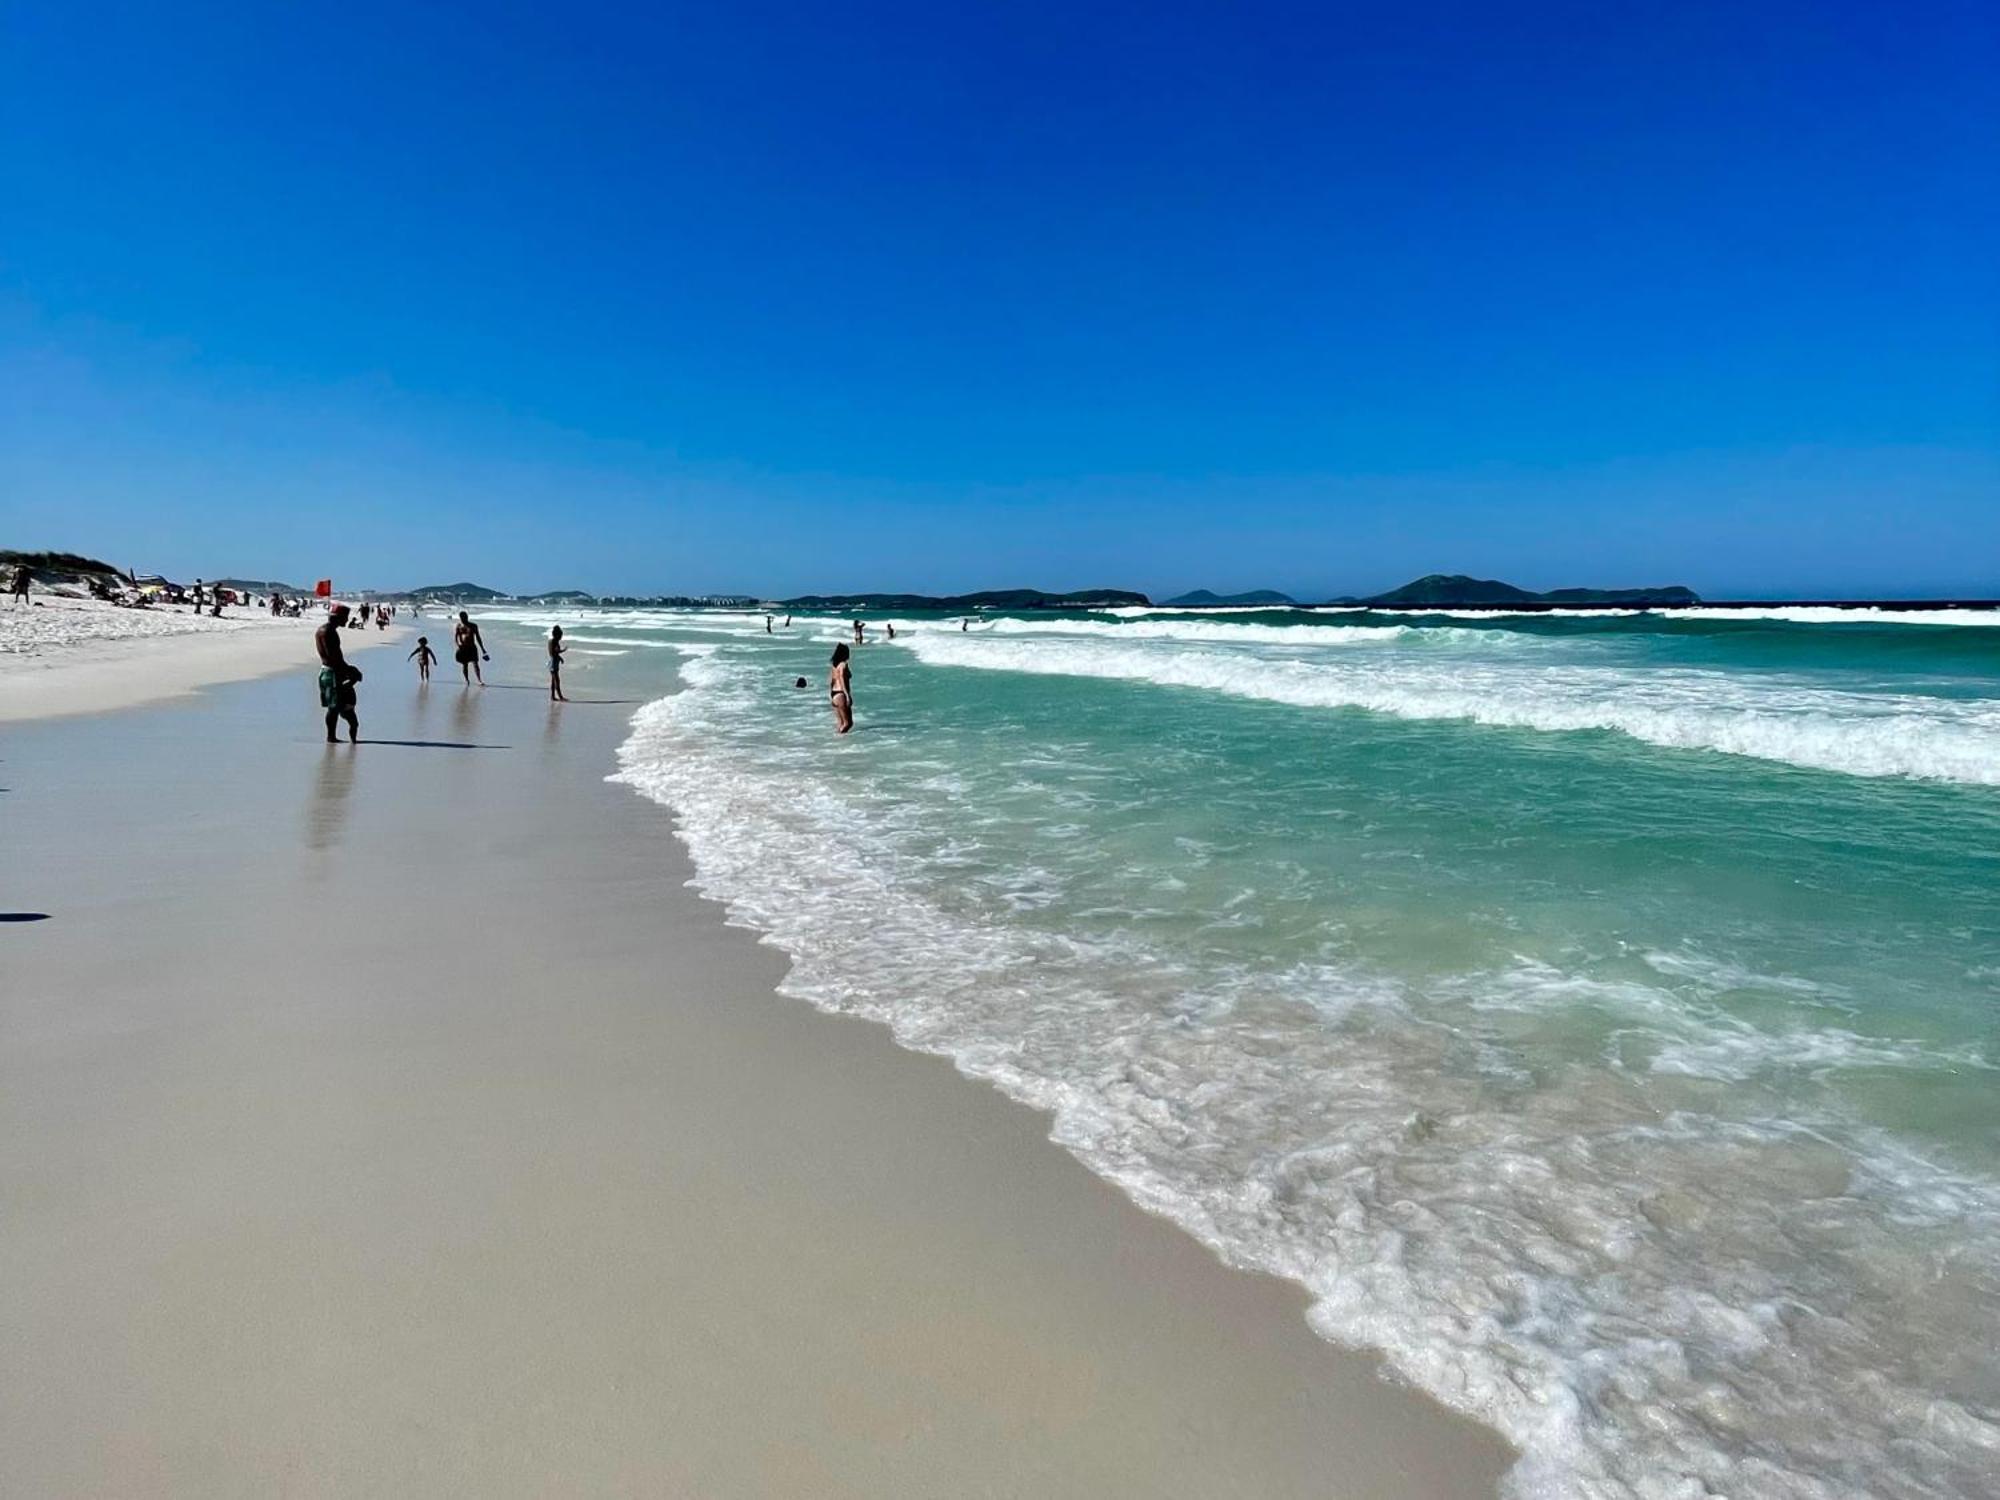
x: 1599, y: 1015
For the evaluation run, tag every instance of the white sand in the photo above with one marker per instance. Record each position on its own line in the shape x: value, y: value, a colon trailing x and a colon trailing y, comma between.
x: 390, y: 1120
x: 51, y: 623
x: 69, y: 656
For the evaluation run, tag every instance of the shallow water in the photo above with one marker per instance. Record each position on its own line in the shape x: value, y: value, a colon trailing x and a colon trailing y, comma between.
x: 1597, y: 1013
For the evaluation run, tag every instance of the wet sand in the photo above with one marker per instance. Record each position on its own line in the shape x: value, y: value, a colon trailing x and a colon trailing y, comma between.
x: 390, y: 1120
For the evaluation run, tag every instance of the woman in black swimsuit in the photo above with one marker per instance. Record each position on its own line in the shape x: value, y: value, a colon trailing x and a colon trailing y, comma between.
x: 468, y: 649
x: 840, y: 688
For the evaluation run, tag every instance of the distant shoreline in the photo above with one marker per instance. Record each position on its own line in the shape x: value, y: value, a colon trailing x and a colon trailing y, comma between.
x: 1504, y: 607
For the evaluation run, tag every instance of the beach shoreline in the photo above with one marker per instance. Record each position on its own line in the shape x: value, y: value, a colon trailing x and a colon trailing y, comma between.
x: 93, y: 673
x: 436, y: 1138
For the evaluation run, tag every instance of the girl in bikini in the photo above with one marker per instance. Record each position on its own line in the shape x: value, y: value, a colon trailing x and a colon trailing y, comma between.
x: 840, y: 687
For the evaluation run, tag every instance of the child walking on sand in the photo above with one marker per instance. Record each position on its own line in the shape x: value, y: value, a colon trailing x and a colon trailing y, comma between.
x: 423, y: 656
x: 556, y: 649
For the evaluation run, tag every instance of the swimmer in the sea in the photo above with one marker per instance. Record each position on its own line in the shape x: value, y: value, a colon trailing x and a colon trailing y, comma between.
x: 840, y: 688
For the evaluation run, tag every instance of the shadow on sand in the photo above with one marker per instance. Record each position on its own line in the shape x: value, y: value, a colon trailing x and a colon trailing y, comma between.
x: 422, y: 744
x: 522, y: 687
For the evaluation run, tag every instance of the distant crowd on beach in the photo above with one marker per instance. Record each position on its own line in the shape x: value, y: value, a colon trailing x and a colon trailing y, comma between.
x: 340, y: 679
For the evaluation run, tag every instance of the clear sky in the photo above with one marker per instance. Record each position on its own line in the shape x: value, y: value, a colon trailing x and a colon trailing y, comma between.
x: 777, y: 297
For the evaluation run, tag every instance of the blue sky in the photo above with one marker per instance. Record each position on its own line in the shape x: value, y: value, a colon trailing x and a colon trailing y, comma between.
x: 779, y: 297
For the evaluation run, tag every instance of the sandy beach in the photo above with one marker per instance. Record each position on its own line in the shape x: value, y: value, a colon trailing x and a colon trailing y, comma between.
x: 391, y: 1120
x: 79, y: 656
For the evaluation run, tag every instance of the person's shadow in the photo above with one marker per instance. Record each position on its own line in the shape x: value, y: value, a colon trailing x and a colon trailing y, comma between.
x: 434, y: 744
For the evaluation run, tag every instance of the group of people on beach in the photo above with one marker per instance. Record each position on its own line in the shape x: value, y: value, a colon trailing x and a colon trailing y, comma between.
x: 358, y: 616
x: 339, y: 678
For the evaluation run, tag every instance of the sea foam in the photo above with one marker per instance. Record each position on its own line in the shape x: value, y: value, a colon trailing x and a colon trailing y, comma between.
x: 1825, y: 729
x: 1650, y: 1299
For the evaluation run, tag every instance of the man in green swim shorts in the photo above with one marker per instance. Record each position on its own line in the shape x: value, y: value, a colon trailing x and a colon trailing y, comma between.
x: 336, y: 677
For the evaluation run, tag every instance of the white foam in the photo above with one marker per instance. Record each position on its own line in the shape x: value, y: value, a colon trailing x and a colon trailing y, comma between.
x: 1687, y: 1031
x: 1748, y: 1053
x: 1223, y: 632
x: 1793, y: 614
x: 1820, y: 614
x: 1648, y: 1301
x: 1854, y: 733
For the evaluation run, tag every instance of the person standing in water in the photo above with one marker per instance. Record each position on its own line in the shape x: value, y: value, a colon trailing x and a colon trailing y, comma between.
x: 767, y: 624
x: 840, y: 688
x: 556, y: 649
x: 857, y: 632
x: 468, y: 649
x: 336, y: 677
x: 423, y: 656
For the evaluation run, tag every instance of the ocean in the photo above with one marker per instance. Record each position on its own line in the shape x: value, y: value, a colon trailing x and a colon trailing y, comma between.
x: 1598, y: 1013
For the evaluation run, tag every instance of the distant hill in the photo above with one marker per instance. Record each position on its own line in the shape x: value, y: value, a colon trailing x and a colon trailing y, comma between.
x: 991, y: 599
x: 1456, y: 590
x: 258, y: 586
x: 1453, y: 588
x: 471, y: 592
x: 1203, y: 599
x: 58, y: 564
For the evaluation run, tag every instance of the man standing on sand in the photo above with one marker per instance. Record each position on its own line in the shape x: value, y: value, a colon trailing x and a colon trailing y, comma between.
x: 468, y: 650
x: 21, y: 578
x: 336, y: 677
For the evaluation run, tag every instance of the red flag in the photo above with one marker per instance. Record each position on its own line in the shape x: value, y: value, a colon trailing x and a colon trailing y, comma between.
x: 323, y: 589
